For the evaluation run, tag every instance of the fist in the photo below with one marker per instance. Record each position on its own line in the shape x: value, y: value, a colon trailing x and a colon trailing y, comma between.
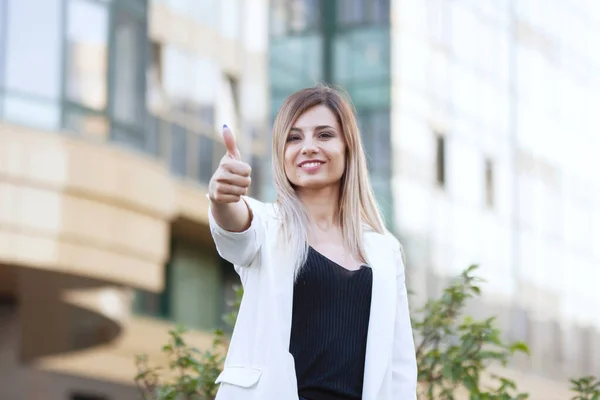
x: 231, y: 180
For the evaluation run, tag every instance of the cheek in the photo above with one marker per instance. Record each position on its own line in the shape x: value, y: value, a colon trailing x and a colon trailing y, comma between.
x: 289, y: 161
x: 288, y: 157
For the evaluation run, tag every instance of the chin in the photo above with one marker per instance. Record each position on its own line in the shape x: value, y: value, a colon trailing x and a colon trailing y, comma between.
x: 315, y: 184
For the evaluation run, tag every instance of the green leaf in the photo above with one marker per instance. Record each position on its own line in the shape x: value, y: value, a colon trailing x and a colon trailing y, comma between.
x: 519, y: 347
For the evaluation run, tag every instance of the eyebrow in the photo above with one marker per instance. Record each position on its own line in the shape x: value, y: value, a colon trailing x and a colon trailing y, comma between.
x: 319, y: 127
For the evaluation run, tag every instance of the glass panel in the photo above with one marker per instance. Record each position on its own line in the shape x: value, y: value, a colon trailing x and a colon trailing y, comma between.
x: 154, y: 130
x: 133, y: 137
x: 2, y: 44
x: 350, y: 11
x: 370, y: 96
x: 294, y: 63
x: 128, y: 89
x: 362, y: 54
x: 178, y: 146
x: 20, y: 109
x: 196, y: 290
x: 205, y: 158
x: 34, y: 24
x: 363, y: 11
x: 375, y: 128
x: 303, y: 15
x: 86, y: 123
x: 86, y: 69
x: 176, y: 70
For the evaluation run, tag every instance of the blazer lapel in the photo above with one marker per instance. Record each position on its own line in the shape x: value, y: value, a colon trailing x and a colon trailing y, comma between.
x: 381, y: 321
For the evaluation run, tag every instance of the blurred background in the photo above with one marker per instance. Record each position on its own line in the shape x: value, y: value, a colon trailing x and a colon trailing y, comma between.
x: 481, y: 119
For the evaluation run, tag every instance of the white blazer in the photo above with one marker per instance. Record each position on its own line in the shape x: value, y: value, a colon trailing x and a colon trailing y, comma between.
x: 259, y: 365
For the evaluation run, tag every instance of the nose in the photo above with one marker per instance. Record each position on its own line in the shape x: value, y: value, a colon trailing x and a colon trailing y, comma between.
x: 309, y: 146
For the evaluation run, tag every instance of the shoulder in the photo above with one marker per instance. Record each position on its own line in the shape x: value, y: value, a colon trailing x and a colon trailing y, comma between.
x: 385, y: 239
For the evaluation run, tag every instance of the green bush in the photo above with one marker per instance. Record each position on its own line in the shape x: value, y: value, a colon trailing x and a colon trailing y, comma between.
x: 453, y: 353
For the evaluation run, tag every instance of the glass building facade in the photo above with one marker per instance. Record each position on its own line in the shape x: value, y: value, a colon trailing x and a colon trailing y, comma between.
x: 495, y: 136
x: 345, y: 44
x: 80, y: 71
x: 480, y: 122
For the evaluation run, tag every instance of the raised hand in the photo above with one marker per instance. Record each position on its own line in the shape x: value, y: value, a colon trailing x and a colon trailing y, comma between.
x: 231, y: 180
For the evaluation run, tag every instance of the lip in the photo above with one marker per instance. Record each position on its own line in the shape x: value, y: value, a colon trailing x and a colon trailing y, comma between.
x: 310, y: 162
x: 311, y: 166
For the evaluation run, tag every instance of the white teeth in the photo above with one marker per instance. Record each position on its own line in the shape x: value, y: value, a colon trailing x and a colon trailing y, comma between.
x: 311, y: 165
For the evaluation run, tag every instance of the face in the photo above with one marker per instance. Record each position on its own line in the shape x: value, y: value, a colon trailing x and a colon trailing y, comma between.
x: 315, y: 150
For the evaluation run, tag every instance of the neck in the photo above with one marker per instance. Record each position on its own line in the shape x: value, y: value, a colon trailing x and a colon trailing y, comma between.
x: 321, y: 205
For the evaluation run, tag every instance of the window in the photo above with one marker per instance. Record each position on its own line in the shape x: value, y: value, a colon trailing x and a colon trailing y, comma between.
x: 194, y: 290
x: 156, y: 98
x: 30, y: 88
x: 489, y: 183
x: 128, y: 89
x: 86, y: 69
x: 233, y: 84
x: 87, y: 53
x: 440, y: 160
x: 363, y: 11
x: 362, y: 56
x: 205, y: 158
x: 178, y: 159
x: 303, y: 15
x: 2, y: 45
x: 375, y: 128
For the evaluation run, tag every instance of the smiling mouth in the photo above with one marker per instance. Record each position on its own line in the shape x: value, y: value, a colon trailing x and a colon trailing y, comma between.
x: 312, y: 164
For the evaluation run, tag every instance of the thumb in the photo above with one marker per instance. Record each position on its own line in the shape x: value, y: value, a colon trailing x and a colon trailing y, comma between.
x: 230, y: 143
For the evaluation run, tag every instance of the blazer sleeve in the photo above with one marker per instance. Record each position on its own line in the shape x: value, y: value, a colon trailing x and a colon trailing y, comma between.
x: 404, y: 362
x: 240, y: 248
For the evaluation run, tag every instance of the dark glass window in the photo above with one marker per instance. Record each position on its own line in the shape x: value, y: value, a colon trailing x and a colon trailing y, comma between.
x: 440, y: 160
x: 178, y: 159
x: 375, y: 130
x: 489, y: 183
x: 128, y: 88
x: 363, y: 12
x: 154, y: 134
x: 303, y: 15
x: 205, y: 158
x: 194, y: 289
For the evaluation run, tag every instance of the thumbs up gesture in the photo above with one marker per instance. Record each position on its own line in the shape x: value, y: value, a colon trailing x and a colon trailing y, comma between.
x: 231, y: 180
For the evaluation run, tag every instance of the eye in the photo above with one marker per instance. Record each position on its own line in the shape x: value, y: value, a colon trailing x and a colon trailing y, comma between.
x: 293, y: 137
x: 326, y: 135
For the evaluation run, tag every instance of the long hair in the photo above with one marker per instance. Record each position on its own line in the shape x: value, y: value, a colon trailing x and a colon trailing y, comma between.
x: 357, y: 207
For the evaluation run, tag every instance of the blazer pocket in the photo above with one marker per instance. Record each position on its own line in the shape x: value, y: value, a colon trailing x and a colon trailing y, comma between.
x: 241, y: 376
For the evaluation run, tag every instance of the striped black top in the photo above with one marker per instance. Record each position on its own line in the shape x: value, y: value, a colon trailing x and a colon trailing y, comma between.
x: 330, y: 321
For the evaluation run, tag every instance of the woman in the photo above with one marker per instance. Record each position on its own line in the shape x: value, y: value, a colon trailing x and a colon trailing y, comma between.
x: 324, y: 314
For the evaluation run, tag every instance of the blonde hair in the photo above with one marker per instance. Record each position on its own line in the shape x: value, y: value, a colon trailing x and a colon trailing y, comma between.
x: 358, y: 205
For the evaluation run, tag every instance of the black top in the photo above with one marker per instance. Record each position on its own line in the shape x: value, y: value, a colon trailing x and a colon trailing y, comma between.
x: 330, y: 320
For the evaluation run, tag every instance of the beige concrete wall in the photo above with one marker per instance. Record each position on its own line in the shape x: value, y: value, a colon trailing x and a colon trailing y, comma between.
x: 75, y: 218
x: 82, y: 208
